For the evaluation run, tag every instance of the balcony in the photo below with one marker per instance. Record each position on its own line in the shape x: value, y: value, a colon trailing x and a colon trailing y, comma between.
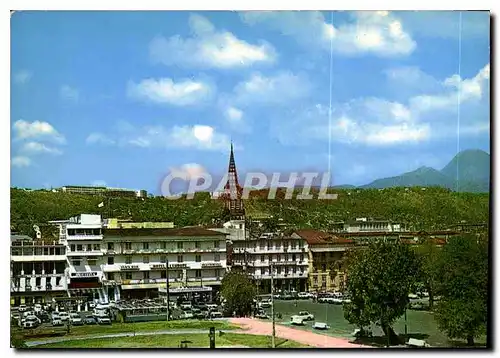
x: 83, y: 237
x: 85, y: 253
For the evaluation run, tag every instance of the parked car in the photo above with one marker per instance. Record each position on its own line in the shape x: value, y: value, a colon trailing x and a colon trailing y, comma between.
x: 320, y: 325
x: 216, y: 314
x: 22, y: 308
x: 197, y: 313
x: 64, y: 316
x: 90, y: 320
x: 265, y: 303
x: 31, y: 322
x: 103, y: 320
x: 56, y: 321
x: 306, y: 315
x: 76, y: 320
x: 186, y: 315
x: 297, y: 320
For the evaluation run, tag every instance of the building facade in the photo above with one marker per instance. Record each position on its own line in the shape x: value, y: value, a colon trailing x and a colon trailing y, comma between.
x: 136, y: 260
x: 326, y: 260
x: 37, y: 270
x: 369, y: 225
x: 263, y: 254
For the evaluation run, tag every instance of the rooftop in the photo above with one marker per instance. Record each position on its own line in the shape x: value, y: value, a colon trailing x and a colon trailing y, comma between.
x: 315, y: 237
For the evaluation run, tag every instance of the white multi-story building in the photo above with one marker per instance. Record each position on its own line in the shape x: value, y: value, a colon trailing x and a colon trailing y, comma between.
x: 262, y: 254
x: 37, y: 270
x: 83, y: 238
x: 369, y: 225
x: 137, y: 260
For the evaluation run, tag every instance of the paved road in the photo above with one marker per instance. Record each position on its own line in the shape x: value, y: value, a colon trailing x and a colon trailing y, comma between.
x: 254, y: 326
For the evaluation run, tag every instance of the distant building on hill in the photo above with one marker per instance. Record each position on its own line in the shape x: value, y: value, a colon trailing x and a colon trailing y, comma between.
x: 369, y: 225
x: 105, y: 191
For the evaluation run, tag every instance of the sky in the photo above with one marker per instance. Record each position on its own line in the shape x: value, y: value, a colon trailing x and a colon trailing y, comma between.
x: 124, y: 98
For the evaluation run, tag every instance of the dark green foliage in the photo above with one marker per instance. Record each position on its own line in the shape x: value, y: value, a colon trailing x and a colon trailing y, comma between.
x: 380, y: 278
x: 463, y: 285
x: 239, y: 292
x: 432, y: 209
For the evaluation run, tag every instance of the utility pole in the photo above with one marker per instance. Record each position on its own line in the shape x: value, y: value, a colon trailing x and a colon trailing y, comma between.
x: 273, y: 342
x: 168, y: 295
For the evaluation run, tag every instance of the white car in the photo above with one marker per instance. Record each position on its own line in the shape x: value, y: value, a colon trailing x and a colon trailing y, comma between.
x: 297, y: 320
x: 186, y: 315
x: 64, y: 316
x: 22, y: 308
x: 56, y: 321
x: 31, y: 322
x: 103, y: 320
x: 265, y: 304
x: 306, y: 315
x: 216, y: 315
x: 76, y: 320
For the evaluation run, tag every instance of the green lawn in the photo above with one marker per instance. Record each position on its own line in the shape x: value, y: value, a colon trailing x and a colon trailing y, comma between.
x: 420, y: 324
x: 141, y: 326
x: 173, y: 341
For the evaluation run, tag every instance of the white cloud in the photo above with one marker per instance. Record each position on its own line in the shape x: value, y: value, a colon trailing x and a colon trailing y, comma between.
x: 209, y: 48
x: 37, y: 129
x: 69, y: 93
x: 376, y: 32
x: 379, y: 122
x: 281, y: 88
x: 445, y: 24
x: 99, y: 138
x: 188, y: 171
x: 166, y: 91
x: 462, y: 90
x: 233, y: 114
x: 21, y: 161
x: 22, y: 77
x: 201, y: 137
x: 39, y: 148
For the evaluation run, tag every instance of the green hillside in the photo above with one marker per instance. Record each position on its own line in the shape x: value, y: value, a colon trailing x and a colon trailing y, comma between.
x: 429, y: 209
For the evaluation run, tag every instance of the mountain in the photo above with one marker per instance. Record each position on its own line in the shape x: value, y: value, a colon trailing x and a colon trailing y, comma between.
x: 473, y: 174
x: 424, y: 176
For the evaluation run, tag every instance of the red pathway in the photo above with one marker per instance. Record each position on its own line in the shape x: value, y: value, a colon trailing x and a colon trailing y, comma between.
x: 254, y: 326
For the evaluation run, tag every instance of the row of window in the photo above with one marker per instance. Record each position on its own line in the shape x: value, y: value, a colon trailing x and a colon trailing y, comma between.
x: 38, y: 282
x: 84, y: 232
x: 83, y: 247
x: 145, y: 260
x: 38, y: 251
x: 278, y: 257
x: 162, y: 244
x: 163, y: 275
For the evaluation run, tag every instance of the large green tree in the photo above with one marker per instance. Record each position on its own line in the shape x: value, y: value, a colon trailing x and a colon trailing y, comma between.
x: 462, y: 269
x: 428, y: 253
x: 239, y: 292
x: 380, y: 277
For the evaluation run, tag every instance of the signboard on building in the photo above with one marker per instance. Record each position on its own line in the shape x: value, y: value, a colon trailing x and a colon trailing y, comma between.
x: 129, y: 267
x: 211, y: 264
x: 84, y: 274
x: 178, y: 265
x: 158, y: 266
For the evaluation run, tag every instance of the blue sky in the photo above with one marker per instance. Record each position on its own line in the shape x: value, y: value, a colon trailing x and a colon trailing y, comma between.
x: 124, y: 98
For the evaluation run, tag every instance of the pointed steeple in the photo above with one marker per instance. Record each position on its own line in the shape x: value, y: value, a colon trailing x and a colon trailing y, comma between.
x: 232, y: 189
